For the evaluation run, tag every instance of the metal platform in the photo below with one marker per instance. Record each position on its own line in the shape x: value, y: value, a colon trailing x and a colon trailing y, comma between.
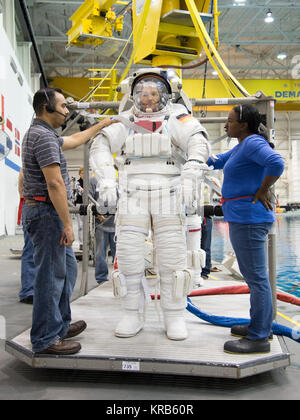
x: 150, y: 351
x: 183, y: 17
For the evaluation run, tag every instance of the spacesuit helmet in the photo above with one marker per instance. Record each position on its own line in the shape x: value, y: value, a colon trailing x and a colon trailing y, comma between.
x: 150, y: 94
x: 166, y: 85
x: 151, y: 91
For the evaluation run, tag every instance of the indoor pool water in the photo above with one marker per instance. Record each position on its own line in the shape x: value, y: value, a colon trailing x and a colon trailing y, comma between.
x: 287, y: 246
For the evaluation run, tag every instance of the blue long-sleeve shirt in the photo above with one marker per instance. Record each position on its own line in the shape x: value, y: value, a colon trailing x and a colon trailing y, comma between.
x: 244, y: 168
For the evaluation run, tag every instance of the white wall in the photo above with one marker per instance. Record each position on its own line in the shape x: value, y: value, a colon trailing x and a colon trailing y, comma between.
x: 16, y: 107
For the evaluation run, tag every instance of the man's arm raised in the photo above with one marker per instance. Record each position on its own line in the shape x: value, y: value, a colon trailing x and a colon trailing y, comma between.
x: 77, y: 139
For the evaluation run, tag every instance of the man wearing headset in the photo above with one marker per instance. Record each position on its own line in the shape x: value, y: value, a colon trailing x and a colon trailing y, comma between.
x: 46, y: 190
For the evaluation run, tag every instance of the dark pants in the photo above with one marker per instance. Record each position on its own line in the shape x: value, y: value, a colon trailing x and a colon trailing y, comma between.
x: 103, y: 239
x: 27, y: 268
x: 55, y: 276
x: 249, y: 244
x: 206, y: 244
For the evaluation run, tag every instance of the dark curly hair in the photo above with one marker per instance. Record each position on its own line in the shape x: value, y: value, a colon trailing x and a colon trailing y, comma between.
x: 256, y: 122
x: 44, y: 97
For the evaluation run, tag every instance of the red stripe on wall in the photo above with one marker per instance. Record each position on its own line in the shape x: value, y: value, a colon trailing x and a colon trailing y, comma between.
x: 17, y: 134
x: 9, y: 124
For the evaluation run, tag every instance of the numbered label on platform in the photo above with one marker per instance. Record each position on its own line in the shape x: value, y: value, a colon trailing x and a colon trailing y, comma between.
x: 133, y: 366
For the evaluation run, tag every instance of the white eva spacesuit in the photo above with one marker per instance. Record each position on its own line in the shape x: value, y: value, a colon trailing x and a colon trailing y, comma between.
x: 161, y: 154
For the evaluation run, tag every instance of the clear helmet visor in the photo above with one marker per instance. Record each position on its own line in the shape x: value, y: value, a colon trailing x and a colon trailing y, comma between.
x: 150, y: 95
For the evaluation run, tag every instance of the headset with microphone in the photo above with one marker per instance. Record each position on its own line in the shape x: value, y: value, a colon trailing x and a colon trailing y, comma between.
x: 50, y: 108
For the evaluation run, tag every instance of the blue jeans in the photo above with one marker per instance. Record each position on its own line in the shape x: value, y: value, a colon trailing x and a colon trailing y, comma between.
x: 249, y: 244
x: 27, y: 268
x: 103, y: 239
x: 206, y: 229
x: 56, y: 273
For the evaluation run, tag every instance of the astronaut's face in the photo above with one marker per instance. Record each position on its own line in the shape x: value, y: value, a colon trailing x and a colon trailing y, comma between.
x: 150, y: 95
x: 150, y: 99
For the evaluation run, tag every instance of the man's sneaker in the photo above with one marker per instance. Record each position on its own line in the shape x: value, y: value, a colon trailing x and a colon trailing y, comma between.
x: 61, y: 347
x: 245, y: 346
x: 242, y: 331
x: 75, y: 329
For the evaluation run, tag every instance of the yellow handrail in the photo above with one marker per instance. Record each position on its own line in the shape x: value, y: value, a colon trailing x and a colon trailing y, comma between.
x: 216, y: 22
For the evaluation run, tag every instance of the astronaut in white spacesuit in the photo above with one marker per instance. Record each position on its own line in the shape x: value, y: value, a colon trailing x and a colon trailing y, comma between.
x: 161, y: 153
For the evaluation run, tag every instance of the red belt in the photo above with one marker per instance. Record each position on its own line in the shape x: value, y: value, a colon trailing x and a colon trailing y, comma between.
x: 22, y: 201
x: 37, y: 198
x: 236, y: 198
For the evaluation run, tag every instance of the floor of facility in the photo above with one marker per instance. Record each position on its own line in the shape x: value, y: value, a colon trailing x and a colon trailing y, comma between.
x: 20, y: 381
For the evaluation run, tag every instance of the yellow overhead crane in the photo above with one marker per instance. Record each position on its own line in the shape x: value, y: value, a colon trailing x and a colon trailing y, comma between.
x: 94, y: 21
x: 174, y: 33
x: 167, y: 33
x: 168, y: 36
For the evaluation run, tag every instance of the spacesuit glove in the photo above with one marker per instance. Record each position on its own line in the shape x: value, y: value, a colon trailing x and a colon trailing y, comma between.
x: 194, y: 166
x: 191, y: 177
x: 107, y: 201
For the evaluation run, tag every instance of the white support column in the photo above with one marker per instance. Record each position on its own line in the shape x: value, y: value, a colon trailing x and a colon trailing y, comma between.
x: 24, y: 56
x: 35, y: 82
x: 8, y: 10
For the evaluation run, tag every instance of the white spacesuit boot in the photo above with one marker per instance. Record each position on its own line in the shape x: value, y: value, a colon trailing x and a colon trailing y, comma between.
x: 173, y: 310
x: 132, y: 321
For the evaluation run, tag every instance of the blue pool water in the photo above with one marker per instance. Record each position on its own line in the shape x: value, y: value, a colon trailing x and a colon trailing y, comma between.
x: 287, y: 246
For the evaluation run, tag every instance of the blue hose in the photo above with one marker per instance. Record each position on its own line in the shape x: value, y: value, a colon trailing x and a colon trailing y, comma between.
x: 223, y: 321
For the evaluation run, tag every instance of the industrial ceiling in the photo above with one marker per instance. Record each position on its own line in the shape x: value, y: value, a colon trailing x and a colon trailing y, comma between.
x: 248, y: 45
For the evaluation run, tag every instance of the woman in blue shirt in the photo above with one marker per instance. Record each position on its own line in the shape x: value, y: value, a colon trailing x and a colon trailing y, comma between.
x: 250, y: 169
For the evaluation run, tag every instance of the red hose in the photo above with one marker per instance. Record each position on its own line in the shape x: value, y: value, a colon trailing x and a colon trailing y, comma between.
x: 237, y: 290
x: 226, y: 290
x: 288, y: 298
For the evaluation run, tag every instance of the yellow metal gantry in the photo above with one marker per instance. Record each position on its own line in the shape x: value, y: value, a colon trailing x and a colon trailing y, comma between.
x: 174, y: 34
x: 165, y: 33
x: 94, y: 19
x: 168, y: 36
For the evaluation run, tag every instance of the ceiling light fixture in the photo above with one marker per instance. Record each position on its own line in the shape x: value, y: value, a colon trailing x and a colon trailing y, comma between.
x: 269, y: 17
x: 239, y: 2
x: 281, y: 56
